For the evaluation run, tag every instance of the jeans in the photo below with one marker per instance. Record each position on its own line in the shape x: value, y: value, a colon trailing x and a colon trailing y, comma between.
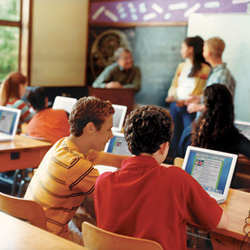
x: 182, y: 119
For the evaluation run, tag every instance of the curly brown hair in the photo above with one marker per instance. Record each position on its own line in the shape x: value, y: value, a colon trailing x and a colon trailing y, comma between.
x: 215, y: 128
x: 146, y: 128
x: 89, y: 109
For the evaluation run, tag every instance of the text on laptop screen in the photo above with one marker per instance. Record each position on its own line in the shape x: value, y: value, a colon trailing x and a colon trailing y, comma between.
x: 211, y: 171
x: 118, y: 145
x: 7, y: 121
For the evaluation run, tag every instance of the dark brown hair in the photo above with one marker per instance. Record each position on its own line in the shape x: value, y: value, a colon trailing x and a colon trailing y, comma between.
x: 89, y: 109
x: 146, y: 128
x: 215, y: 128
x: 196, y: 43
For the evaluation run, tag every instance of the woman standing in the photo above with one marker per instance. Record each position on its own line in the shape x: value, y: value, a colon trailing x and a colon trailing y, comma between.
x: 189, y: 81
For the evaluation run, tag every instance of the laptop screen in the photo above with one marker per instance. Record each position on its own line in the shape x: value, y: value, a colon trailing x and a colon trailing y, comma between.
x: 212, y: 169
x: 8, y: 121
x: 65, y: 103
x: 244, y: 128
x: 119, y: 116
x: 117, y: 145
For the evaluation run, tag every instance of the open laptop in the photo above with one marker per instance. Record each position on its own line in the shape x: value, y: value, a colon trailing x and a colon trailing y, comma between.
x: 212, y: 169
x: 65, y: 103
x: 244, y: 128
x: 9, y: 119
x: 116, y: 145
x: 118, y: 117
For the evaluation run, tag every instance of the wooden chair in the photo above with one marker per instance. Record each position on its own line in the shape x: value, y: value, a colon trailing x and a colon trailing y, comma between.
x: 178, y: 161
x: 23, y: 209
x: 95, y: 238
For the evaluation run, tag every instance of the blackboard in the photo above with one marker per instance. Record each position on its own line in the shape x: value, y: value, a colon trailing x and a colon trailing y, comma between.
x: 156, y: 51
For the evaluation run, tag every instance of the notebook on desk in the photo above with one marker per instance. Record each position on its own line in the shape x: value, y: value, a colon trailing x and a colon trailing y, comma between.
x: 65, y: 103
x: 116, y: 145
x: 244, y: 128
x: 212, y: 169
x: 118, y: 117
x: 9, y: 119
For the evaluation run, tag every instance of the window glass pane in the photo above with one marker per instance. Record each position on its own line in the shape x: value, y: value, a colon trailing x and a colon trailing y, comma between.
x: 10, y: 10
x: 9, y: 45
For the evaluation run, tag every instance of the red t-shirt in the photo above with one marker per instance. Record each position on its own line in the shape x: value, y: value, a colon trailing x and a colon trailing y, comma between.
x: 146, y: 200
x: 49, y: 124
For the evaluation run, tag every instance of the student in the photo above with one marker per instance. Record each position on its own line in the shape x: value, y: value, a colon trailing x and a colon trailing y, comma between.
x: 122, y: 74
x: 212, y: 51
x: 148, y: 200
x: 66, y: 174
x: 189, y: 80
x: 47, y: 123
x: 215, y: 127
x: 11, y: 91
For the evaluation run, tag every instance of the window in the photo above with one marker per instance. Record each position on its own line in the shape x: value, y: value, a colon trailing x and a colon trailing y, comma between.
x: 10, y: 30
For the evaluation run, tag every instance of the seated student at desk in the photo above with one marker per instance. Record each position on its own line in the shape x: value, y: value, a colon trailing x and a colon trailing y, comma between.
x: 66, y: 174
x: 47, y: 123
x: 215, y: 127
x: 148, y: 200
x: 122, y: 74
x: 12, y: 90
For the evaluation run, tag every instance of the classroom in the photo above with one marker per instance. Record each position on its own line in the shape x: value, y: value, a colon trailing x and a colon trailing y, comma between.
x: 124, y: 124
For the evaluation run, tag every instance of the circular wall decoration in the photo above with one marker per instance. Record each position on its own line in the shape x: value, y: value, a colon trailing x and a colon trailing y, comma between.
x: 103, y: 48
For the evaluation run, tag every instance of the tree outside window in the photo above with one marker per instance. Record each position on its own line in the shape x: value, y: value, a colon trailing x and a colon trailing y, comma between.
x: 10, y: 25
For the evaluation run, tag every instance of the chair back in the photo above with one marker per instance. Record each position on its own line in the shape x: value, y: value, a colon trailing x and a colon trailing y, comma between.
x: 95, y: 238
x: 23, y: 209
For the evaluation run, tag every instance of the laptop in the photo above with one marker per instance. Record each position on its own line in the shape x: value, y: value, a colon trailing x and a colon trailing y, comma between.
x: 212, y: 169
x: 116, y: 145
x: 244, y: 128
x: 9, y: 119
x: 65, y: 103
x: 118, y: 117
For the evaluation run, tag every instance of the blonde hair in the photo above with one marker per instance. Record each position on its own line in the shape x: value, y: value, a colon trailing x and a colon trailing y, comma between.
x: 216, y: 46
x: 10, y: 87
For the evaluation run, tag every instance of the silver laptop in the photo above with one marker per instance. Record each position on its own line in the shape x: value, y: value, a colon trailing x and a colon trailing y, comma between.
x: 244, y: 128
x: 116, y: 145
x: 9, y: 119
x: 118, y: 117
x: 65, y: 103
x: 212, y: 169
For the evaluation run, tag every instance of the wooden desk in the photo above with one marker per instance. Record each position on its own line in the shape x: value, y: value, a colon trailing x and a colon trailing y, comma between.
x: 17, y: 234
x: 237, y: 207
x: 23, y: 152
x: 116, y: 96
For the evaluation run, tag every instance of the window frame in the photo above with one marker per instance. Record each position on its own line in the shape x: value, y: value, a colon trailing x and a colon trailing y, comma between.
x: 23, y: 48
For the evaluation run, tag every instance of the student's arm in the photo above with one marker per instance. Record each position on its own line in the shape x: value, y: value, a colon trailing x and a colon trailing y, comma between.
x: 136, y: 83
x: 103, y: 78
x: 103, y: 158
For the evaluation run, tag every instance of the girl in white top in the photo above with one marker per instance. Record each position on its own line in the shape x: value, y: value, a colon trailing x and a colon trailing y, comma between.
x: 189, y: 81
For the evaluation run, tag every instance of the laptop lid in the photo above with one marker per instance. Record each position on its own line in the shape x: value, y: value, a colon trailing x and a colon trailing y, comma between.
x: 9, y: 119
x: 244, y: 128
x: 65, y: 103
x: 116, y: 145
x: 212, y: 169
x: 118, y: 117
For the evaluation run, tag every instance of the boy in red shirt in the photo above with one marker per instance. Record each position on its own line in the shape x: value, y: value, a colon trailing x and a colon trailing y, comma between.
x: 148, y: 200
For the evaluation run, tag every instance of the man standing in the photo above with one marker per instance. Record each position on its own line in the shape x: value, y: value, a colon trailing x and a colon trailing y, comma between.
x: 122, y: 74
